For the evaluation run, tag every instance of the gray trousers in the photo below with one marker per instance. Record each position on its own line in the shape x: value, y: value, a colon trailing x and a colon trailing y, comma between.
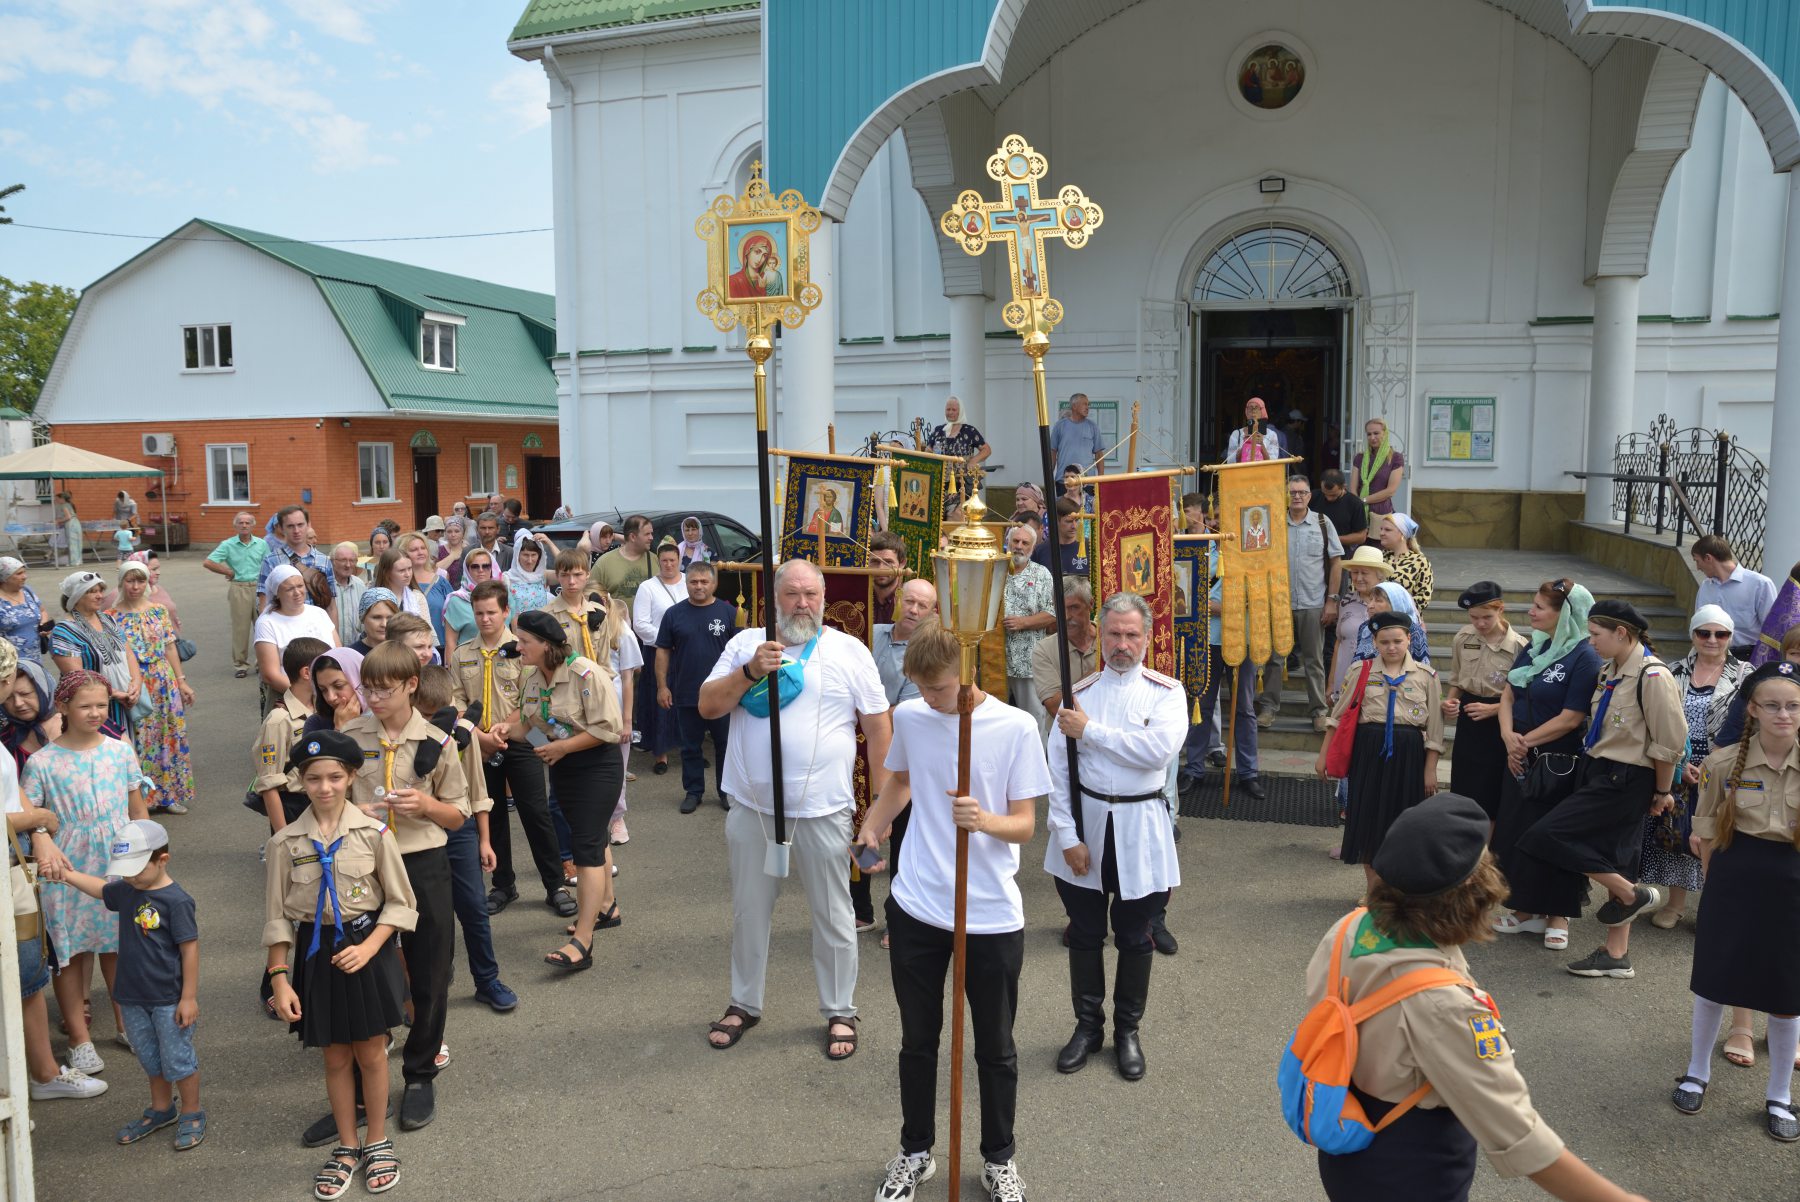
x: 820, y: 856
x: 1309, y: 644
x: 1023, y: 695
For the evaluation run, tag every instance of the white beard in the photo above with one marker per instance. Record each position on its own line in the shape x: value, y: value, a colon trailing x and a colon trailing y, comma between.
x: 797, y: 628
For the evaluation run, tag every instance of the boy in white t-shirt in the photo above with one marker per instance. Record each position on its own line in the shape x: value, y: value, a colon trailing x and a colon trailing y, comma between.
x: 1008, y: 775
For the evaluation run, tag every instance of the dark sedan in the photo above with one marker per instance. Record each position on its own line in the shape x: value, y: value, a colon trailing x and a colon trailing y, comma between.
x: 725, y: 537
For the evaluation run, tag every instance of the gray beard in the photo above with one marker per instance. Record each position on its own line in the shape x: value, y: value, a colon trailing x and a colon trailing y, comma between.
x: 797, y: 628
x: 1122, y: 661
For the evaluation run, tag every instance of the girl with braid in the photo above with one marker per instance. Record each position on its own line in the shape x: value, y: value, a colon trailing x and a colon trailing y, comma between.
x: 1746, y: 836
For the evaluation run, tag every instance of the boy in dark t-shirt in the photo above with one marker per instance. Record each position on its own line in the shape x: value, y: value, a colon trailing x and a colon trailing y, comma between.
x: 158, y: 979
x: 689, y: 642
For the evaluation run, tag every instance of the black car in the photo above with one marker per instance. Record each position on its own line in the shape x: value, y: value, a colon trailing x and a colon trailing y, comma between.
x: 725, y: 537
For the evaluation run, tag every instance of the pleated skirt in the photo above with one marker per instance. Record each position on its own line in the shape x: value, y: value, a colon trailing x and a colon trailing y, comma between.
x: 344, y: 1007
x: 1381, y: 787
x: 1749, y: 913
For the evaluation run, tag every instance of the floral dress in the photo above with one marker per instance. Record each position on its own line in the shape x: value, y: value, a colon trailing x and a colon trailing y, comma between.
x: 19, y: 622
x: 162, y: 740
x: 1666, y: 860
x: 89, y: 792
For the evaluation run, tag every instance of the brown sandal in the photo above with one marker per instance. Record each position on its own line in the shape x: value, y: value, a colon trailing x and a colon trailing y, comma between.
x: 732, y: 1031
x: 830, y: 1039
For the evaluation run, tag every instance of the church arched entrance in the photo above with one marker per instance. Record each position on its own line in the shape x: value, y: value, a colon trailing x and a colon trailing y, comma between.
x: 1273, y: 309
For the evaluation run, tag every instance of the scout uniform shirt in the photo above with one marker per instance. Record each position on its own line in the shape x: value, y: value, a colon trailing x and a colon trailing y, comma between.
x: 389, y: 766
x: 281, y: 728
x: 480, y: 801
x: 589, y: 644
x: 1637, y: 713
x: 1450, y: 1036
x: 582, y: 698
x: 1478, y: 666
x: 366, y: 868
x: 1137, y: 720
x: 489, y: 677
x: 1418, y: 703
x: 1767, y: 801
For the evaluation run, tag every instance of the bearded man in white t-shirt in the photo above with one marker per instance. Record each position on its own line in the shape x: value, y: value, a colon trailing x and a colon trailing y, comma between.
x: 1008, y: 776
x: 841, y: 687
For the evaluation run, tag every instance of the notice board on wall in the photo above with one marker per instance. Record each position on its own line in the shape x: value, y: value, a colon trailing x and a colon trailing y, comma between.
x: 1459, y: 430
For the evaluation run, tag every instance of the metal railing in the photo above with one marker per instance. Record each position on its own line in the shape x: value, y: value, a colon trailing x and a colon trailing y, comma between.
x: 1658, y: 475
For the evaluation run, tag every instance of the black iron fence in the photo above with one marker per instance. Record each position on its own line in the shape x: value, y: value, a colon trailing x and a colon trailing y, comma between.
x: 1692, y: 481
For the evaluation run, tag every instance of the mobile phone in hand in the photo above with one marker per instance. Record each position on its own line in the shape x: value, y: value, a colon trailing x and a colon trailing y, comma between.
x: 866, y: 857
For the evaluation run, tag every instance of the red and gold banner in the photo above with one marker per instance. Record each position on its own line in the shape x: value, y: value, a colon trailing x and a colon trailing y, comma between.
x: 1256, y: 617
x: 1134, y: 552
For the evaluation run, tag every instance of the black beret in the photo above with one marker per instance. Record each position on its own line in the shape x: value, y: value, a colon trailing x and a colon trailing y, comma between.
x: 1778, y: 669
x: 1434, y: 846
x: 1482, y: 592
x: 540, y: 624
x: 1619, y: 611
x: 326, y: 745
x: 1383, y: 621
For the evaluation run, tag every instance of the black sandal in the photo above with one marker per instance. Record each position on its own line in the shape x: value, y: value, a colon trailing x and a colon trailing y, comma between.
x: 378, y: 1160
x: 1688, y: 1101
x: 561, y: 959
x: 333, y: 1181
x: 732, y: 1032
x: 831, y: 1039
x: 605, y: 922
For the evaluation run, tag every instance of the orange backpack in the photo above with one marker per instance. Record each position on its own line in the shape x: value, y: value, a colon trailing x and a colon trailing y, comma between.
x: 1315, y: 1071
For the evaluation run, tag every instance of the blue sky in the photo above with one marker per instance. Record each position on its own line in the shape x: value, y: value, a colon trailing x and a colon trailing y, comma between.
x: 317, y: 119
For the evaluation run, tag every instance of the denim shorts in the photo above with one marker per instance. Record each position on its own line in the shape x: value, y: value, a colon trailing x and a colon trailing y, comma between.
x: 34, y: 969
x: 164, y: 1049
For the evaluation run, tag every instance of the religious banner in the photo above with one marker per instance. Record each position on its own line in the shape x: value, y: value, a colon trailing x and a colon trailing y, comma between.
x: 1255, y: 615
x: 828, y: 510
x: 1193, y: 575
x: 1133, y: 551
x: 916, y: 512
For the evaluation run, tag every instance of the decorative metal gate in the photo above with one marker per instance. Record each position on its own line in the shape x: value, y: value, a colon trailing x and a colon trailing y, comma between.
x: 1162, y: 329
x: 1389, y: 340
x: 1727, y: 485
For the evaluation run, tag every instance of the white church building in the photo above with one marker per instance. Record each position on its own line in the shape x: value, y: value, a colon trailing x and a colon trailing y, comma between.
x: 1515, y: 229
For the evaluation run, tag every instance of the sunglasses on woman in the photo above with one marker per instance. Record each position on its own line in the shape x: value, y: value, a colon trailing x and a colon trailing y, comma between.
x: 1712, y: 634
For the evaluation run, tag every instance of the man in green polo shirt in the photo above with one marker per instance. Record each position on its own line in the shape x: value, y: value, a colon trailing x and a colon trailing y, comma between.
x: 239, y: 559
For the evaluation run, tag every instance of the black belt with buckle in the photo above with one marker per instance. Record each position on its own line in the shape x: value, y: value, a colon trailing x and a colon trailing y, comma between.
x: 1123, y: 798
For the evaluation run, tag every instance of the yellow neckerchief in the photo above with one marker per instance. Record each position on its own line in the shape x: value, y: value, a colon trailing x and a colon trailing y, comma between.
x: 579, y: 617
x: 388, y: 751
x: 487, y: 685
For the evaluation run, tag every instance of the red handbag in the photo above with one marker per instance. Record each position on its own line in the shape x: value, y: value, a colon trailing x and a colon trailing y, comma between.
x: 1337, y: 751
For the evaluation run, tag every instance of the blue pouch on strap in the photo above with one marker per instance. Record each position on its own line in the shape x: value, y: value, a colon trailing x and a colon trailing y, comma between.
x: 793, y: 678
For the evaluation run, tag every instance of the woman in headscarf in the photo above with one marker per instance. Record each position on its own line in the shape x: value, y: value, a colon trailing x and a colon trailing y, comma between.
x: 1399, y: 536
x: 1543, y: 715
x: 525, y: 586
x: 1709, y: 676
x: 287, y: 618
x: 450, y: 552
x: 125, y: 509
x: 70, y: 521
x: 1389, y: 597
x: 598, y: 540
x: 374, y: 609
x: 162, y: 742
x: 693, y: 548
x: 337, y: 689
x: 21, y: 613
x: 157, y: 594
x: 1378, y: 470
x: 459, y: 617
x: 88, y: 639
x: 27, y: 720
x: 380, y: 543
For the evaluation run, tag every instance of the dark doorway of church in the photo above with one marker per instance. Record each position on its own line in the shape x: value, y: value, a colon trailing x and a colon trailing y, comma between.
x: 1292, y: 359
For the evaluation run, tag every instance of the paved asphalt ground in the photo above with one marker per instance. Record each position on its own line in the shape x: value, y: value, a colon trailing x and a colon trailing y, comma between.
x: 601, y: 1086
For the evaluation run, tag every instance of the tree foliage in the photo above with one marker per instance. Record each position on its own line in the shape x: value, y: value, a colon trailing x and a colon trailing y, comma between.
x: 33, y: 317
x: 9, y: 190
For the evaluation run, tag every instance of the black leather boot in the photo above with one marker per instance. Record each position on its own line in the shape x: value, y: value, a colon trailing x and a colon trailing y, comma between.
x: 1087, y: 989
x: 1131, y: 988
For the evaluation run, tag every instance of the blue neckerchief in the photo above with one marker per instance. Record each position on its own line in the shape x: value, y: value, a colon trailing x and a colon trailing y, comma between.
x: 327, y: 888
x: 1596, y: 728
x: 1387, y: 735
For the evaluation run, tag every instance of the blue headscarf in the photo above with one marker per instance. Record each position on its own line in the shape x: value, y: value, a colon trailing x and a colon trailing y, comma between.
x: 1399, y: 601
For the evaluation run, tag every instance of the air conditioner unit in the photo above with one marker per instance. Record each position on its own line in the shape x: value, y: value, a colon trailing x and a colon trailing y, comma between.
x: 159, y: 444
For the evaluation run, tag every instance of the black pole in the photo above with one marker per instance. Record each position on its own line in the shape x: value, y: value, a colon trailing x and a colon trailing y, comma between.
x: 1662, y: 484
x: 1056, y: 587
x: 759, y: 349
x: 1724, y: 458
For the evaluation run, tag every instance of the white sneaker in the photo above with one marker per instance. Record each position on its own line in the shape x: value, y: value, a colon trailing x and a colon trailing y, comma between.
x: 1002, y: 1182
x: 83, y: 1058
x: 69, y: 1083
x: 618, y: 831
x: 904, y: 1176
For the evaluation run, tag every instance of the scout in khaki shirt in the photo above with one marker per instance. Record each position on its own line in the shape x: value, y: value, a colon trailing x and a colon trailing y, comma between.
x: 1433, y: 888
x: 276, y: 784
x: 572, y: 700
x: 1481, y: 654
x: 1399, y: 736
x: 1634, y: 740
x: 337, y: 891
x: 411, y: 779
x: 589, y: 621
x: 1747, y: 835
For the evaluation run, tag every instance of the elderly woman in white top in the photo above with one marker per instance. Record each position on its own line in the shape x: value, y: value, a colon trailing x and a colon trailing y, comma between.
x: 287, y: 618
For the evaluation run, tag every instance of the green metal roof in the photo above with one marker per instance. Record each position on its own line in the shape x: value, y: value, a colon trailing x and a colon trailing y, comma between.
x: 546, y: 18
x: 502, y: 350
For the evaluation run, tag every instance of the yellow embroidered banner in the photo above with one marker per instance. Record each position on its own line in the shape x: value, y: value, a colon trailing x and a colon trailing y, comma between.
x: 1256, y: 618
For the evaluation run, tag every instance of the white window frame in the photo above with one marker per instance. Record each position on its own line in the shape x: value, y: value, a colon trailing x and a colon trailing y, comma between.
x: 489, y: 484
x: 385, y: 449
x: 202, y: 368
x: 433, y: 327
x: 212, y: 497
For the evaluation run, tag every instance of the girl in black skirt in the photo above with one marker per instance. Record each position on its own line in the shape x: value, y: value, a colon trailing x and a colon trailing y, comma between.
x: 337, y: 892
x: 1399, y: 735
x: 1632, y: 746
x: 572, y: 699
x: 1746, y: 836
x: 1481, y: 655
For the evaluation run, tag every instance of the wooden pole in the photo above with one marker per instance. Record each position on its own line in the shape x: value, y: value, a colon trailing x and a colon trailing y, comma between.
x: 959, y: 938
x: 831, y: 437
x: 1231, y: 734
x: 1131, y: 451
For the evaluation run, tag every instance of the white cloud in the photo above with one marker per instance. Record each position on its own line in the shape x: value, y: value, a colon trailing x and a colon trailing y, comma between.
x: 84, y: 100
x: 522, y: 95
x: 338, y: 18
x: 82, y: 170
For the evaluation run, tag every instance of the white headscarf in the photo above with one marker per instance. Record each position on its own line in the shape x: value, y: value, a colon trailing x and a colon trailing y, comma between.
x: 278, y: 576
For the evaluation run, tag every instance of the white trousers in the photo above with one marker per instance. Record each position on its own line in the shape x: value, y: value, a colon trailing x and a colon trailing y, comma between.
x: 821, y: 858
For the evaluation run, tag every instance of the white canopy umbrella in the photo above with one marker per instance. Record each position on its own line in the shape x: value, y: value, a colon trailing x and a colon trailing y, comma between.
x: 59, y: 461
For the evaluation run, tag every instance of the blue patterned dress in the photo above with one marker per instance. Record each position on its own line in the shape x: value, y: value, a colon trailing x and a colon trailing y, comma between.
x: 89, y: 792
x: 162, y: 741
x: 19, y: 622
